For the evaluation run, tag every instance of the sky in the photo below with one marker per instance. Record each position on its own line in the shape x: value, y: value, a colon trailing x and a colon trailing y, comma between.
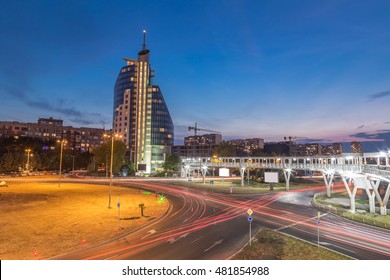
x: 315, y: 70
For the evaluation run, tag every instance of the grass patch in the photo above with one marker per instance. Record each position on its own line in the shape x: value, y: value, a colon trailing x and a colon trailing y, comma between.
x: 340, y: 206
x: 272, y: 245
x: 40, y: 220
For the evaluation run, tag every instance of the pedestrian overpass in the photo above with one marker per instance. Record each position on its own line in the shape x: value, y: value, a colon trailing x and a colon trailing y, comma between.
x: 358, y: 171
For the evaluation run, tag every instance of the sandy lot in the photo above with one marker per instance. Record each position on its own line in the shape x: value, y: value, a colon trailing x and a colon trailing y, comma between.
x: 42, y: 220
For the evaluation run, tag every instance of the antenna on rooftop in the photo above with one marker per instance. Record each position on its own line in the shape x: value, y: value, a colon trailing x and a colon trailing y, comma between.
x: 144, y: 44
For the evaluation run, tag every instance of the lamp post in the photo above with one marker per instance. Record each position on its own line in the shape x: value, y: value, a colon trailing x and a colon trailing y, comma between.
x: 28, y: 159
x: 106, y: 154
x: 111, y: 163
x: 62, y: 148
x: 73, y: 162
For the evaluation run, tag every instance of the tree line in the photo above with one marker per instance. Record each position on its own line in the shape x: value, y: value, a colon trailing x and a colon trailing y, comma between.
x: 45, y: 156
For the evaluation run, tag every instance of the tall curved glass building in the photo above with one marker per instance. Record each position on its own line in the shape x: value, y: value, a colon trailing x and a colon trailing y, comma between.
x: 141, y: 115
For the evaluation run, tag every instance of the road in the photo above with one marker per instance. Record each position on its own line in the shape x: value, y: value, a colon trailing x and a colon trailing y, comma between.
x: 207, y: 225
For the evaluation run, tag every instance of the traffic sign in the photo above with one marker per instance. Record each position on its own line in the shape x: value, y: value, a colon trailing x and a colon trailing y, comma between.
x: 250, y: 219
x: 318, y: 222
x: 250, y: 212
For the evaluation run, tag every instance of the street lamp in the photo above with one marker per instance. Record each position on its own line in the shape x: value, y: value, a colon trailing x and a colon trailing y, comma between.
x: 73, y: 162
x: 106, y: 156
x: 62, y: 148
x: 28, y: 159
x: 111, y: 162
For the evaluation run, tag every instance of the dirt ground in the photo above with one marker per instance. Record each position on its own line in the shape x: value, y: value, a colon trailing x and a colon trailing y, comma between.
x: 42, y: 220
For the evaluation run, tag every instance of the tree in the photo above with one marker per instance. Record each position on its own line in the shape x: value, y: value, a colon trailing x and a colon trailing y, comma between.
x: 44, y: 155
x: 127, y: 169
x: 103, y: 155
x: 225, y: 149
x: 257, y: 153
x: 172, y: 163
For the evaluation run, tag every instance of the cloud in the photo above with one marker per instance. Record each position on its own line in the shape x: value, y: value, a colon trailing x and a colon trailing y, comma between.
x: 365, y: 135
x: 13, y: 92
x: 378, y: 95
x: 312, y: 140
x: 57, y: 106
x: 373, y: 141
x: 86, y: 121
x: 379, y: 135
x: 360, y: 127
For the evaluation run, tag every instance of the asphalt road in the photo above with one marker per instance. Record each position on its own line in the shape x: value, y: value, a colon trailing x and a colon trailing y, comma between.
x: 206, y: 225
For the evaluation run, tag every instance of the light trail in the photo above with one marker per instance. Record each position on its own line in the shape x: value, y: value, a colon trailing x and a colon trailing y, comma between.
x: 194, y: 216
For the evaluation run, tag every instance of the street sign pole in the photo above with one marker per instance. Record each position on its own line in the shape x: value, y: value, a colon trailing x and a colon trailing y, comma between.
x: 250, y: 212
x: 250, y: 233
x: 318, y: 229
x: 119, y: 213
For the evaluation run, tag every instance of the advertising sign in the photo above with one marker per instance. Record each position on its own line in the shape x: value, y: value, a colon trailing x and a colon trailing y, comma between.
x: 223, y: 172
x: 271, y: 177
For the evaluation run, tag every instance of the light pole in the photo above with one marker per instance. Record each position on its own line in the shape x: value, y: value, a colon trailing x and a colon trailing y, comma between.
x: 62, y: 147
x: 106, y: 154
x: 111, y: 162
x: 73, y: 162
x: 28, y: 159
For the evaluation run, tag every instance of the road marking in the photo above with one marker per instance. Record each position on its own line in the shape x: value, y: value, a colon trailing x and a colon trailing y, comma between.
x: 215, y: 244
x: 111, y: 257
x: 297, y: 223
x: 332, y: 245
x: 173, y: 240
x: 150, y: 232
x: 197, y: 239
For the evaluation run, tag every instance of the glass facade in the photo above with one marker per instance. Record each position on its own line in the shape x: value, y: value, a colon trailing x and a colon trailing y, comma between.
x: 162, y: 126
x: 141, y: 115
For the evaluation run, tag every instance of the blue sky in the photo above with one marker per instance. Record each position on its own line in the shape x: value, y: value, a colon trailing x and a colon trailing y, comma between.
x: 269, y: 69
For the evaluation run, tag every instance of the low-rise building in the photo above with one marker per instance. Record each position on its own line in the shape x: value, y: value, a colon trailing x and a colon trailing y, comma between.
x: 356, y: 147
x: 82, y: 138
x: 245, y: 147
x: 201, y: 140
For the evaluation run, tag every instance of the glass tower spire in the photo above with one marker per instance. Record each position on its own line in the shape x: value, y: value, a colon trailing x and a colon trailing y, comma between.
x: 141, y: 115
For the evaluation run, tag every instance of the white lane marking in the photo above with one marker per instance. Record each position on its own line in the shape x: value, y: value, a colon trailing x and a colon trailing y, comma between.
x: 215, y: 244
x: 150, y: 232
x: 173, y: 240
x: 197, y: 239
x: 297, y: 223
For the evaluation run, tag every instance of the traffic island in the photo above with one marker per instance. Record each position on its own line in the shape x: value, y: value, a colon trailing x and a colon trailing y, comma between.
x: 272, y: 245
x: 339, y: 205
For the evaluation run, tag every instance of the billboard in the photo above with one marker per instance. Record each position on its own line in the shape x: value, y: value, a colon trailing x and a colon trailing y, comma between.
x: 271, y: 177
x: 141, y: 167
x: 223, y: 172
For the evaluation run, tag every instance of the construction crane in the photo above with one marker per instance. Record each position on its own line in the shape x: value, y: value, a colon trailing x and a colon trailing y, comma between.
x: 196, y: 129
x: 290, y: 138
